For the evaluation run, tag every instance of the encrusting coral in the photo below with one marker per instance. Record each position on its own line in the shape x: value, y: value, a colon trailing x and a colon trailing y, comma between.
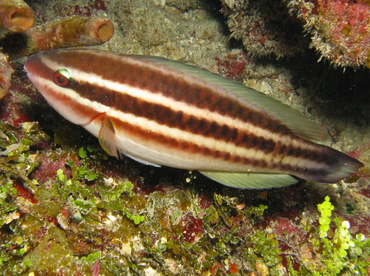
x: 260, y: 25
x: 339, y: 29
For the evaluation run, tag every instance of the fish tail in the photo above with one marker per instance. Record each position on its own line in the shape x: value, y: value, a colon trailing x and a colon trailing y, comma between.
x: 335, y: 167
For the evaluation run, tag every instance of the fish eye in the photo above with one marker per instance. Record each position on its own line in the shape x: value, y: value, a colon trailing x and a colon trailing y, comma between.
x: 62, y: 77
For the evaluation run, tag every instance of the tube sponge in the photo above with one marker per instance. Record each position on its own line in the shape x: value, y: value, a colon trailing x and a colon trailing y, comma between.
x: 16, y: 15
x: 70, y: 31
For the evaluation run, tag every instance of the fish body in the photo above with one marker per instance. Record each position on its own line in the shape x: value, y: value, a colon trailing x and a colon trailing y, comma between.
x: 162, y: 112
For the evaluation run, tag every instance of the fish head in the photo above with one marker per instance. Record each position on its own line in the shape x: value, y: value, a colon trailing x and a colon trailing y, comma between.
x: 54, y: 75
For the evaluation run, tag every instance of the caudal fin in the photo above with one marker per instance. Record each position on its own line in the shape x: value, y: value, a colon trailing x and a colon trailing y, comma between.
x: 336, y: 167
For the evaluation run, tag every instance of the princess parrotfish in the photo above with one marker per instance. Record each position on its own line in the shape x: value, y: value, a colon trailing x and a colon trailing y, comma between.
x: 163, y: 112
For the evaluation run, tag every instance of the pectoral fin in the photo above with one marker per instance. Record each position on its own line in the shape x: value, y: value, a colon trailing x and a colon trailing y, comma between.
x: 112, y: 145
x: 108, y: 139
x: 251, y: 180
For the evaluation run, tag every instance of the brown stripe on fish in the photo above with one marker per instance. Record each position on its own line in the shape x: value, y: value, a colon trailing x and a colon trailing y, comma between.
x: 252, y: 157
x: 134, y: 72
x: 166, y: 116
x: 166, y: 141
x: 101, y: 94
x: 118, y: 100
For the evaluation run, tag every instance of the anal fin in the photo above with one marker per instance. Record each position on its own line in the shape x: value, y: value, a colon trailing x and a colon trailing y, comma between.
x: 251, y: 180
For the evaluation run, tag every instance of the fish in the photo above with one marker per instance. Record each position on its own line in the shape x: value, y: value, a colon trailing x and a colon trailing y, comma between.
x: 162, y: 112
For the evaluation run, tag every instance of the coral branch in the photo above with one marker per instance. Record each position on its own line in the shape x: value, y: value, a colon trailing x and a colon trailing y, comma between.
x: 6, y: 71
x: 15, y: 15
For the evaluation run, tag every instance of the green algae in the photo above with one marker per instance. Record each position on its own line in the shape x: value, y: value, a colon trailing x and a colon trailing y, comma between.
x: 338, y: 251
x: 80, y: 211
x: 66, y: 202
x: 325, y: 210
x: 341, y: 245
x: 7, y: 205
x: 16, y: 164
x: 55, y: 243
x: 17, y: 161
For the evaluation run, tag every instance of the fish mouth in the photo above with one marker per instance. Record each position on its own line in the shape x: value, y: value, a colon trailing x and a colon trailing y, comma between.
x: 30, y: 64
x: 35, y: 68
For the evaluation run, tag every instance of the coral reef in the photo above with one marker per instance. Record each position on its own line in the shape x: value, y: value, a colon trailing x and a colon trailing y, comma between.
x: 338, y: 30
x: 66, y: 208
x: 89, y: 217
x: 15, y: 15
x: 264, y: 27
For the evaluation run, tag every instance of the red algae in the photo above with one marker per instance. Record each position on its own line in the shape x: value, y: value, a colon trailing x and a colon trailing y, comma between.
x: 232, y: 66
x: 204, y: 201
x: 86, y: 9
x: 285, y: 227
x: 49, y: 164
x: 98, y: 5
x: 365, y: 192
x: 24, y: 192
x: 191, y: 227
x: 233, y: 268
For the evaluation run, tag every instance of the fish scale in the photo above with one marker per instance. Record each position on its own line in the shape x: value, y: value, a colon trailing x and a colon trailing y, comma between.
x: 162, y: 112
